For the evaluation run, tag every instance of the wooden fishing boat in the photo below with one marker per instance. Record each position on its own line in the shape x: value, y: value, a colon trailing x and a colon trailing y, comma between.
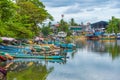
x: 92, y: 36
x: 62, y: 34
x: 69, y: 45
x: 38, y: 57
x: 13, y: 49
x: 37, y: 60
x: 22, y: 55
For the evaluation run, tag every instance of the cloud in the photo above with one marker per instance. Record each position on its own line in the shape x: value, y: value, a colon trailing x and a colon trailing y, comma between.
x: 83, y: 10
x: 116, y: 6
x: 82, y: 3
x: 73, y: 9
x: 58, y: 3
x: 90, y: 9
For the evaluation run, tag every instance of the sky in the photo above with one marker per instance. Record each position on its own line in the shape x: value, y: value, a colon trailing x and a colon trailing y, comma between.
x: 83, y: 10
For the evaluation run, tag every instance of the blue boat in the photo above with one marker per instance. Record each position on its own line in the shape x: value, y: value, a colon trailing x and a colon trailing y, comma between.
x: 56, y: 43
x: 13, y: 49
x: 69, y: 45
x: 92, y: 37
x: 68, y: 51
x: 22, y: 55
x: 37, y: 60
x: 37, y: 57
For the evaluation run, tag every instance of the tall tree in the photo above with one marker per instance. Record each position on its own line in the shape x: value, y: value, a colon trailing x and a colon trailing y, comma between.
x: 20, y: 19
x: 73, y: 23
x: 114, y: 25
x: 7, y: 10
x: 46, y: 30
x: 64, y: 26
x: 35, y: 13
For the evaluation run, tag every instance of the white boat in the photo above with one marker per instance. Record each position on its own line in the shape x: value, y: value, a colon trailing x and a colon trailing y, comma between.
x: 118, y: 35
x: 62, y: 34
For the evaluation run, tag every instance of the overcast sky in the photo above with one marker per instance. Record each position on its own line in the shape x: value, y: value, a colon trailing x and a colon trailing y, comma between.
x: 83, y: 10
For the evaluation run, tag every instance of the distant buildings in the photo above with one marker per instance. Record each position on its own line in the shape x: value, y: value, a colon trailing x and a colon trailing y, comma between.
x: 83, y: 28
x: 99, y: 25
x: 54, y: 27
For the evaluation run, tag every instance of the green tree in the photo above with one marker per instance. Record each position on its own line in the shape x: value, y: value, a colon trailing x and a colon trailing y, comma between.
x: 46, y: 30
x: 7, y: 10
x: 64, y: 26
x: 114, y: 25
x: 73, y: 23
x: 20, y: 19
x: 35, y: 13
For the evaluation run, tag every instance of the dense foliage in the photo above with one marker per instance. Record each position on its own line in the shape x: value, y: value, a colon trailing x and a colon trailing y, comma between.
x: 46, y: 30
x: 64, y: 26
x: 20, y: 18
x: 73, y: 23
x: 114, y: 25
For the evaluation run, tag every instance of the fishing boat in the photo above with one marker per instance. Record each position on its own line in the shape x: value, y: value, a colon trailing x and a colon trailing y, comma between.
x: 92, y: 37
x: 94, y: 34
x: 37, y: 60
x: 38, y: 57
x: 22, y: 55
x: 62, y: 34
x: 68, y: 45
x: 12, y: 50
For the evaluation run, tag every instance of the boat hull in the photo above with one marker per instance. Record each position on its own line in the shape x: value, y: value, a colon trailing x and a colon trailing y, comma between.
x: 37, y: 60
x: 36, y: 56
x: 92, y: 37
x: 69, y: 46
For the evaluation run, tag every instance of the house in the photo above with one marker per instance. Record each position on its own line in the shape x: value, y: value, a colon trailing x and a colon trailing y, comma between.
x: 101, y: 25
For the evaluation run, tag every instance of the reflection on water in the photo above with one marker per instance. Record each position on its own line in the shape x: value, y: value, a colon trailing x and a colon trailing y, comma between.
x: 102, y: 47
x: 92, y: 60
x: 28, y: 71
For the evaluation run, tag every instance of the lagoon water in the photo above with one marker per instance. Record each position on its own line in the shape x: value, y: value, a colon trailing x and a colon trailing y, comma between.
x: 92, y: 60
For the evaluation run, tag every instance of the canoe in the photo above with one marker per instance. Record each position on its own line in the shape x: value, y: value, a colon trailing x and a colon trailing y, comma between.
x: 35, y: 56
x: 14, y: 49
x: 22, y: 55
x: 70, y: 45
x: 37, y: 60
x: 68, y: 51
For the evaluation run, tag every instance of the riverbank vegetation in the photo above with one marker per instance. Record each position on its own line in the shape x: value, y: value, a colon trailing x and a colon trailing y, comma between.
x: 113, y: 25
x: 20, y: 18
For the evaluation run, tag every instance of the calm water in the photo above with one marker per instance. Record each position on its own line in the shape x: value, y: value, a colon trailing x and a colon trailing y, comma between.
x: 93, y: 60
